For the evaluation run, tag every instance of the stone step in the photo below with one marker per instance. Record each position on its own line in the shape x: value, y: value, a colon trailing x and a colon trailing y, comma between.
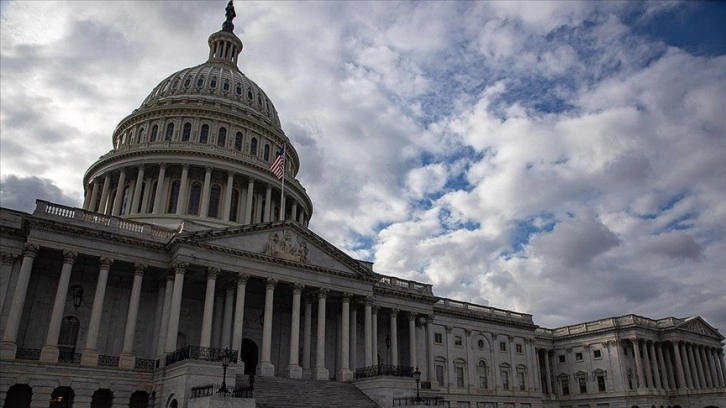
x: 279, y: 392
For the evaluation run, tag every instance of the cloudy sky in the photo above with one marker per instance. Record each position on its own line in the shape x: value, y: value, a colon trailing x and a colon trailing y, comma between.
x: 562, y: 159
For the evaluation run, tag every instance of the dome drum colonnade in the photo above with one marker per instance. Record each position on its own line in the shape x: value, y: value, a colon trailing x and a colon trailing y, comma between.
x: 200, y: 147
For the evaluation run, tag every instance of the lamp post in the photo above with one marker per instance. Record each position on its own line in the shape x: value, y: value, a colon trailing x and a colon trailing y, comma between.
x: 225, y: 363
x: 417, y: 377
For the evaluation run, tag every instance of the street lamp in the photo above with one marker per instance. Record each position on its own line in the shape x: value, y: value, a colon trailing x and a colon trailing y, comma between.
x: 417, y: 377
x: 225, y: 362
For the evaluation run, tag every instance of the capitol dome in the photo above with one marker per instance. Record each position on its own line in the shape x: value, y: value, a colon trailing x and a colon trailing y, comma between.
x: 199, y: 151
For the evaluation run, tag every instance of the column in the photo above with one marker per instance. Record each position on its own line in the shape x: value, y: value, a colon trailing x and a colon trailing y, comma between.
x: 720, y: 367
x: 692, y: 365
x: 118, y: 201
x: 181, y: 202
x: 127, y: 360
x: 354, y: 337
x: 158, y: 196
x: 321, y: 372
x: 104, y: 194
x: 239, y: 313
x: 656, y: 372
x: 431, y: 375
x: 686, y: 364
x: 703, y: 369
x: 711, y: 362
x: 721, y: 364
x: 345, y: 374
x: 90, y: 354
x: 268, y: 205
x: 208, y: 314
x: 671, y: 367
x: 180, y: 269
x: 217, y: 318
x: 204, y: 208
x: 638, y: 362
x: 412, y: 339
x: 368, y: 349
x: 8, y: 260
x: 374, y: 335
x: 266, y: 368
x: 293, y: 369
x: 530, y: 363
x: 227, y: 204
x: 145, y: 198
x: 548, y: 377
x: 228, y: 312
x: 662, y: 365
x: 293, y: 211
x: 680, y: 377
x: 451, y: 380
x: 50, y: 351
x: 307, y: 333
x: 647, y: 368
x: 137, y: 191
x: 155, y: 334
x: 163, y: 330
x: 248, y: 203
x: 394, y: 337
x: 94, y: 197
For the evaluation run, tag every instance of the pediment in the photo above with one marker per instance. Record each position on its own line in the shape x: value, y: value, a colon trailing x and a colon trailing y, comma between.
x: 699, y: 326
x: 281, y: 242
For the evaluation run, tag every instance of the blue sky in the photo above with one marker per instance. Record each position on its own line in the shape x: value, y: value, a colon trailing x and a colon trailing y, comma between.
x: 564, y: 159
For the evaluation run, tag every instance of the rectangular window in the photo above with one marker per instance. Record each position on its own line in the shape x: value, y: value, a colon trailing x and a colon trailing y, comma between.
x: 561, y: 358
x: 460, y: 377
x: 502, y: 346
x: 597, y: 354
x: 457, y: 340
x: 440, y: 374
x: 583, y: 385
x: 601, y: 383
x: 518, y: 348
x: 565, y: 387
x: 520, y: 379
x: 505, y: 379
x: 438, y: 338
x: 625, y: 351
x: 578, y: 356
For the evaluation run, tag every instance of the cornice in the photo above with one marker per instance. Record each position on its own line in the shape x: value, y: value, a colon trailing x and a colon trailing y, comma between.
x: 403, y: 294
x: 474, y: 316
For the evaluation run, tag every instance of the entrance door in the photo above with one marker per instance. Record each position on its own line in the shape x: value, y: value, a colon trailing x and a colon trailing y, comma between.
x: 249, y: 354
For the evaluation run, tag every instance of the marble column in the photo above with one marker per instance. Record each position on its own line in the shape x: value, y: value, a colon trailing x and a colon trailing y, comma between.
x: 49, y: 353
x: 239, y: 312
x: 548, y: 377
x: 647, y: 367
x: 158, y: 196
x: 208, y: 314
x: 217, y: 318
x: 321, y: 372
x: 721, y: 367
x: 159, y: 309
x: 656, y: 371
x: 345, y: 374
x: 268, y: 205
x: 705, y: 373
x: 394, y: 336
x: 638, y: 362
x: 693, y: 367
x: 127, y: 359
x: 671, y: 367
x: 367, y: 323
x: 412, y: 339
x: 180, y: 269
x: 8, y: 260
x: 94, y: 197
x: 182, y: 202
x: 164, y: 329
x: 90, y: 354
x: 717, y: 364
x: 354, y: 337
x: 662, y: 366
x: 137, y: 191
x: 104, y: 194
x: 711, y: 362
x: 686, y: 367
x: 431, y: 375
x: 374, y: 335
x: 228, y: 315
x: 227, y: 203
x: 118, y: 201
x: 307, y: 334
x: 293, y: 368
x: 206, y: 187
x: 248, y: 202
x: 266, y: 368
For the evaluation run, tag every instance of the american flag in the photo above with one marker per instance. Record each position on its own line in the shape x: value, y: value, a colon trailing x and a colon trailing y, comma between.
x: 278, y: 166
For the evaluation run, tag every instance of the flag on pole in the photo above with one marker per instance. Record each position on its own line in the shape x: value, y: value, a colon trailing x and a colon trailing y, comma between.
x: 278, y: 165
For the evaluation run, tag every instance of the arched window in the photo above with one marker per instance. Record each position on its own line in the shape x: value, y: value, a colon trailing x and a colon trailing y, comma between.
x: 125, y: 200
x: 214, y: 195
x: 200, y: 81
x: 253, y: 146
x: 213, y: 83
x: 62, y: 397
x: 102, y: 398
x: 222, y: 137
x: 139, y: 399
x: 154, y: 131
x: 142, y: 135
x: 187, y: 82
x: 249, y: 94
x: 266, y: 155
x: 169, y: 131
x: 481, y: 372
x: 173, y: 197
x: 233, y: 206
x: 186, y: 132
x: 195, y: 196
x: 225, y: 87
x: 238, y: 142
x: 259, y: 99
x: 239, y: 89
x: 204, y: 135
x: 19, y: 395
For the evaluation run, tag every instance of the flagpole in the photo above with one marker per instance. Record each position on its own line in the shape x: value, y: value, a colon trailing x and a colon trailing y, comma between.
x: 282, y: 189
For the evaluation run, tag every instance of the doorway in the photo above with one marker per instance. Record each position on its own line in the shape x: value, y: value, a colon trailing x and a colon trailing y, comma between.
x: 249, y: 354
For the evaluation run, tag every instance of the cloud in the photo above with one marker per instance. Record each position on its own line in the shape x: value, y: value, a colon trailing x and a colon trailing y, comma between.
x: 20, y: 193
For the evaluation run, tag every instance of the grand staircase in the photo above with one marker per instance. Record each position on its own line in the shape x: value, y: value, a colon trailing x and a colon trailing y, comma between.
x: 278, y: 392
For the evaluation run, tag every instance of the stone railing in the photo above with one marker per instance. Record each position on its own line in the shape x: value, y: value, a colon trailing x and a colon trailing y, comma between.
x: 211, y: 390
x: 107, y: 361
x: 383, y: 370
x: 69, y: 357
x: 485, y: 311
x: 199, y: 353
x: 406, y: 285
x: 418, y: 401
x: 27, y: 354
x: 145, y: 364
x: 115, y: 223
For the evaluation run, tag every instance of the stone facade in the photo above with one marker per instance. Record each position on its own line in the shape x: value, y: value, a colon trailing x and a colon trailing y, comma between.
x: 186, y: 245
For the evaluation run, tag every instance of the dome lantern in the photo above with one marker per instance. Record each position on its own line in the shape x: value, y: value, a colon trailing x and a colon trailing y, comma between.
x: 224, y: 46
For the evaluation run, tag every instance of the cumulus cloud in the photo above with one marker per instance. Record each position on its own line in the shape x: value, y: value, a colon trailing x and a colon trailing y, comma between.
x: 20, y: 193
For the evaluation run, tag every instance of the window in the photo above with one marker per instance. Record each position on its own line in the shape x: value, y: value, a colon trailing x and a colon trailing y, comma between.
x: 213, y: 83
x: 266, y: 154
x: 142, y: 135
x: 518, y: 348
x: 578, y: 356
x: 502, y: 346
x: 154, y: 131
x: 124, y: 201
x: 440, y: 374
x: 565, y: 385
x: 253, y: 146
x: 187, y: 82
x: 459, y: 376
x: 169, y: 131
x: 597, y: 354
x: 200, y: 81
x: 520, y: 380
x: 186, y: 132
x: 225, y: 87
x: 68, y: 335
x: 582, y: 381
x: 214, y: 196
x: 504, y: 373
x: 259, y: 100
x: 238, y: 91
x: 630, y: 379
x: 481, y: 372
x: 625, y: 351
x: 204, y: 134
x: 601, y: 383
x: 238, y: 142
x: 173, y: 197
x: 249, y: 94
x: 457, y: 340
x: 222, y: 137
x: 480, y: 343
x: 561, y: 358
x: 195, y: 195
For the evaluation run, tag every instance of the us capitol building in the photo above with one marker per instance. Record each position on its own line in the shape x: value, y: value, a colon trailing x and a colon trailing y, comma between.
x: 186, y: 247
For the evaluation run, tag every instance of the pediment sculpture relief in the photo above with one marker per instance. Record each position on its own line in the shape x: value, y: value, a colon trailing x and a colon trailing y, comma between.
x: 697, y: 327
x: 286, y: 247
